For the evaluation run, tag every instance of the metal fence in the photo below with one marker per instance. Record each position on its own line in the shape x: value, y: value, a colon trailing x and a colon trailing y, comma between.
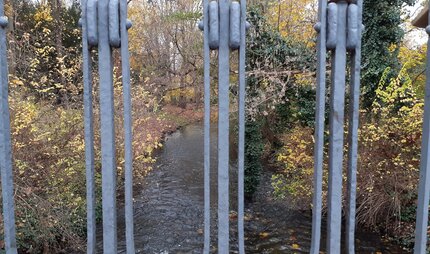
x: 104, y: 26
x: 224, y: 28
x: 339, y: 30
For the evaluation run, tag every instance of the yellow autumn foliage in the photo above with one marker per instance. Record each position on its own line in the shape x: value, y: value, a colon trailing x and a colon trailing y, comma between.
x: 296, y: 158
x: 49, y: 164
x: 295, y: 19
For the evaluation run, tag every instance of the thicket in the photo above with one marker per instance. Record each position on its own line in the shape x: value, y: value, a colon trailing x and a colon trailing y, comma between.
x: 382, y: 36
x: 390, y: 131
x: 45, y: 81
x: 47, y: 126
x: 276, y: 66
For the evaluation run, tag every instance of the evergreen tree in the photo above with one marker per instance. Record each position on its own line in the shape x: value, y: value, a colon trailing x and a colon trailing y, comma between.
x: 382, y: 36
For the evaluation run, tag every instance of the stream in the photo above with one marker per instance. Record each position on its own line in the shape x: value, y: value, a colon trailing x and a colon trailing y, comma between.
x: 169, y: 208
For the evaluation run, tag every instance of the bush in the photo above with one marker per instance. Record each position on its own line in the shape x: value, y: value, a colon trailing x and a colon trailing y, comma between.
x: 389, y: 158
x: 49, y: 164
x: 390, y: 144
x: 296, y: 160
x: 253, y: 153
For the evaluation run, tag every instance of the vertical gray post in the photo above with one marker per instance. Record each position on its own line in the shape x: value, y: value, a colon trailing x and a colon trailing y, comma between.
x: 241, y: 149
x: 128, y: 132
x: 107, y: 131
x: 339, y: 29
x: 320, y: 27
x: 224, y: 27
x: 424, y: 184
x: 337, y: 102
x: 354, y: 111
x: 89, y: 134
x: 223, y: 127
x: 105, y: 24
x: 207, y: 126
x: 6, y: 144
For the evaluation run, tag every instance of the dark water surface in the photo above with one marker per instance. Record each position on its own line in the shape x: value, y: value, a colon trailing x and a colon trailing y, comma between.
x: 169, y: 208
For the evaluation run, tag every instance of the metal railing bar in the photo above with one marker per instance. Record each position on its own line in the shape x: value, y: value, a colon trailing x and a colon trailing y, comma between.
x: 354, y: 111
x: 319, y: 127
x: 107, y: 132
x: 128, y: 130
x: 223, y: 127
x: 6, y: 144
x: 337, y: 102
x: 89, y: 134
x: 241, y: 149
x: 207, y: 129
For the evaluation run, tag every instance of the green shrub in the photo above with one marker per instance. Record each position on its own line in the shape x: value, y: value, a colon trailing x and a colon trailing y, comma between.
x: 253, y: 154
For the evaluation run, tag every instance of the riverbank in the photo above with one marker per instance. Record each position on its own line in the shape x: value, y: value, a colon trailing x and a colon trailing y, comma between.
x: 49, y: 155
x: 151, y: 128
x: 386, y: 193
x: 278, y: 226
x: 169, y: 207
x: 170, y: 119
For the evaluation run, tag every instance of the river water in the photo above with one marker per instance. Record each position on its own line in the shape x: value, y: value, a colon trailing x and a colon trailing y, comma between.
x: 169, y: 208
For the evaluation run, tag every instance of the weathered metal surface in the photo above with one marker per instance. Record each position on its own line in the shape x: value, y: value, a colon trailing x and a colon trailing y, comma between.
x: 332, y: 20
x: 354, y: 111
x: 6, y: 144
x: 4, y: 22
x: 207, y: 129
x: 223, y: 127
x: 92, y: 17
x: 337, y: 110
x: 114, y: 26
x: 235, y: 25
x: 106, y: 23
x: 339, y: 31
x: 241, y: 148
x: 214, y: 28
x: 353, y: 26
x: 224, y: 26
x: 128, y: 128
x: 107, y: 131
x: 319, y: 127
x: 89, y: 133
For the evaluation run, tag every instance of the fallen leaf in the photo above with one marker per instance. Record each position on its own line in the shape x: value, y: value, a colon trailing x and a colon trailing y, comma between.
x: 295, y: 246
x: 264, y: 235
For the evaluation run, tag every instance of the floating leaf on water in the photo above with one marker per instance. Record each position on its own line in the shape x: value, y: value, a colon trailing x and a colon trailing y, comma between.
x: 264, y: 235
